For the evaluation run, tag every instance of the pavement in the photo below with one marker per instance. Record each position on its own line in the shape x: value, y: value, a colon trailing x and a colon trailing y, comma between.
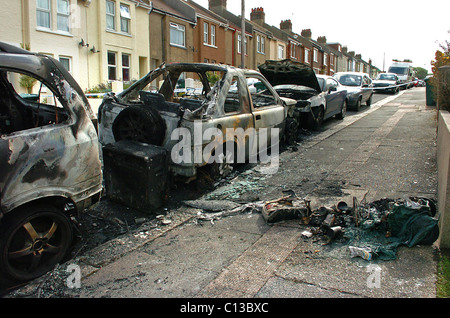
x: 386, y: 150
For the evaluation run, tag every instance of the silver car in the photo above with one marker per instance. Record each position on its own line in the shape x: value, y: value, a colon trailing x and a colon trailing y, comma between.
x: 359, y: 88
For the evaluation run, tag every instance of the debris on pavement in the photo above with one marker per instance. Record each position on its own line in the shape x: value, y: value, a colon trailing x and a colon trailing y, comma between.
x: 372, y: 230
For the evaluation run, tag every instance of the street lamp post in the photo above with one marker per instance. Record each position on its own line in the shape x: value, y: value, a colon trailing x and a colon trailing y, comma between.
x: 243, y: 34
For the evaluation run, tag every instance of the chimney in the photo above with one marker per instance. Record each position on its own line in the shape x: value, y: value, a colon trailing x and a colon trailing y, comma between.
x: 258, y: 16
x: 306, y: 33
x: 286, y: 25
x: 344, y: 49
x: 358, y: 56
x: 322, y: 39
x: 218, y: 4
x: 351, y: 53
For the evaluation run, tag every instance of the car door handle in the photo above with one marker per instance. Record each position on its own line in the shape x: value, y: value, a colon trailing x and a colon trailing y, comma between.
x: 258, y: 117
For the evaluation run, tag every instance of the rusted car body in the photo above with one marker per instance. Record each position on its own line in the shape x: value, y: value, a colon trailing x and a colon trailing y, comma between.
x: 49, y: 161
x: 228, y: 104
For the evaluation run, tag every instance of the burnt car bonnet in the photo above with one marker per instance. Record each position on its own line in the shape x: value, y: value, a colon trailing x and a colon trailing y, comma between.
x: 289, y: 72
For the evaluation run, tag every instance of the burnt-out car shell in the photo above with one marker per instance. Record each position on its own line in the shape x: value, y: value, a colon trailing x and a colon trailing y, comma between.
x: 226, y: 104
x: 49, y: 163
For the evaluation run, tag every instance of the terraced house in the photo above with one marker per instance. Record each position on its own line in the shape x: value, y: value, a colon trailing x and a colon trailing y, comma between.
x: 119, y: 41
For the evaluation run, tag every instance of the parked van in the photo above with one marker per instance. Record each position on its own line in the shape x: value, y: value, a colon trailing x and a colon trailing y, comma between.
x: 405, y: 73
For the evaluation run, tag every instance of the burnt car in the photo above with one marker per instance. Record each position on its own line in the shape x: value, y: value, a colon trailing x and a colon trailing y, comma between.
x: 150, y: 112
x: 318, y: 97
x: 386, y: 83
x: 359, y: 88
x: 50, y: 166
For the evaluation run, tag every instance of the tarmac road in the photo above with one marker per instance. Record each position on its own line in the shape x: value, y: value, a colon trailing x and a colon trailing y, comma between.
x: 386, y: 150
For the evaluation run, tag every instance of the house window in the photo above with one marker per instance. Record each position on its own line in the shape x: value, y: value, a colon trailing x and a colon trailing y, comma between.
x: 177, y: 34
x: 263, y: 48
x: 63, y: 16
x: 315, y: 55
x: 112, y: 66
x: 240, y: 44
x: 110, y: 15
x: 66, y: 62
x: 325, y: 57
x: 293, y: 50
x: 258, y: 43
x: 306, y: 56
x: 126, y: 67
x: 213, y: 35
x: 205, y: 33
x: 43, y: 13
x: 125, y: 17
x: 280, y: 52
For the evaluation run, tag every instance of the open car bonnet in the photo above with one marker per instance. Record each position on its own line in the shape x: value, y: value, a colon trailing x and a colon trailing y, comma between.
x: 289, y: 72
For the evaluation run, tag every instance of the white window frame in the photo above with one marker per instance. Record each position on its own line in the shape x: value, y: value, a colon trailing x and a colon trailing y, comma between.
x: 280, y: 51
x: 125, y: 17
x: 205, y: 33
x: 325, y: 56
x: 63, y: 16
x: 45, y: 11
x: 306, y: 56
x: 69, y: 59
x: 315, y: 55
x: 213, y: 35
x: 178, y: 28
x: 293, y: 50
x: 239, y: 44
x: 263, y: 46
x: 111, y: 15
x: 112, y: 65
x: 258, y: 43
x: 126, y: 67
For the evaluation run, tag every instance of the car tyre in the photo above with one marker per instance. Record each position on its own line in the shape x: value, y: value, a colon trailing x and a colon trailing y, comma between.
x: 224, y: 164
x: 358, y: 105
x: 343, y: 112
x: 316, y: 118
x: 33, y: 241
x: 140, y: 123
x: 369, y: 101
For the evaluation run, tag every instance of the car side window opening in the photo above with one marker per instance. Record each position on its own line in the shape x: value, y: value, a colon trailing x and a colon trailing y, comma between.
x: 233, y: 102
x: 26, y: 103
x: 260, y: 94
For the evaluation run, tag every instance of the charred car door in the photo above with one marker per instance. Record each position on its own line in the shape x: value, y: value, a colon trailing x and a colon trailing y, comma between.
x: 48, y: 143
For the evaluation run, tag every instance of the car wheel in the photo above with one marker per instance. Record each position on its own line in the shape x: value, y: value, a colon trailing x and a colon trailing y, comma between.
x: 369, y: 101
x: 140, y: 123
x: 316, y: 118
x: 343, y: 112
x: 223, y: 165
x: 33, y: 241
x: 358, y: 105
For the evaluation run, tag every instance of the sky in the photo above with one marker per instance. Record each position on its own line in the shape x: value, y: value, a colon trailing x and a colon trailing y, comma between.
x: 381, y: 30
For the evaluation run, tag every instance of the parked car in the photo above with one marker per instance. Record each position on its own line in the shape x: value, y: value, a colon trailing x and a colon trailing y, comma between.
x: 50, y: 166
x: 336, y: 96
x: 318, y: 97
x: 386, y: 82
x: 359, y: 88
x: 155, y: 118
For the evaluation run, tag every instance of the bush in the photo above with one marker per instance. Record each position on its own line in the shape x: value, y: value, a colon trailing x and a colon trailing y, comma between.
x: 441, y: 80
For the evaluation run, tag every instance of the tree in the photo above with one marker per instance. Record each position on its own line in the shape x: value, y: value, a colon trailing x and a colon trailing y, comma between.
x: 421, y: 73
x: 442, y: 58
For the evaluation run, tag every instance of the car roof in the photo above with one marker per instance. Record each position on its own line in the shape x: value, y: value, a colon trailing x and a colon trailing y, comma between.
x: 9, y: 48
x: 354, y: 73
